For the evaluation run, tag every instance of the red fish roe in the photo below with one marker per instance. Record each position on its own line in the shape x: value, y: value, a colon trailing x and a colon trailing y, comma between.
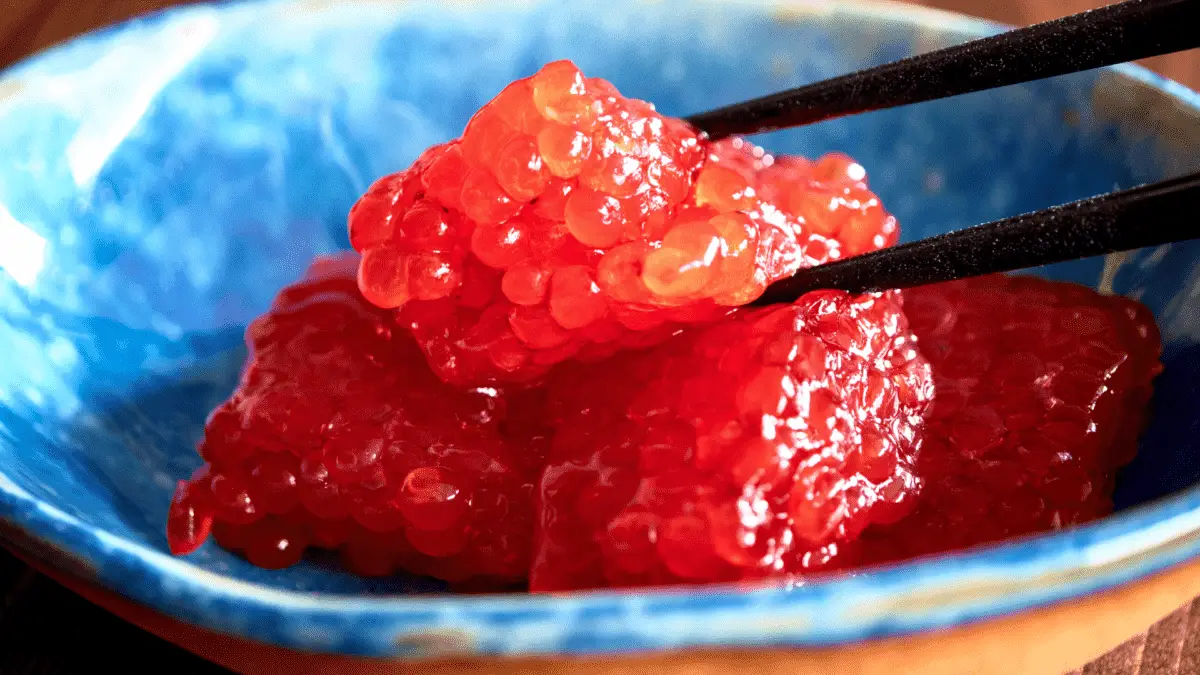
x: 1042, y: 391
x: 570, y: 221
x: 578, y: 236
x: 340, y: 437
x: 757, y: 446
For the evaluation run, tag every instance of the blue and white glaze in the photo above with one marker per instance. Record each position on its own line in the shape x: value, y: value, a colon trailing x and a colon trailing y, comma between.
x: 161, y: 180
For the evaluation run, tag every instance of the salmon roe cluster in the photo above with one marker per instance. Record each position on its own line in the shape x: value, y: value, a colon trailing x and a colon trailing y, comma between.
x: 340, y: 437
x: 1042, y: 391
x: 758, y: 446
x: 569, y: 222
x: 539, y: 370
x: 791, y: 440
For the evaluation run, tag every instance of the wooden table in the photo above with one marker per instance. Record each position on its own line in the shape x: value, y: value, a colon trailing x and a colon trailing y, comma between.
x: 38, y: 618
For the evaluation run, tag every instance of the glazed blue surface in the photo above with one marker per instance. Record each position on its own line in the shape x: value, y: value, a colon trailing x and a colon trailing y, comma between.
x: 160, y: 181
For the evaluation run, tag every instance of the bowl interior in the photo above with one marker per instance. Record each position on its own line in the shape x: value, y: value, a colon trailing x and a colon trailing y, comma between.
x: 161, y: 181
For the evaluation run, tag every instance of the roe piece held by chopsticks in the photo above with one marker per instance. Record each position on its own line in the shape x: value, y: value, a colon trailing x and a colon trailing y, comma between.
x: 571, y: 222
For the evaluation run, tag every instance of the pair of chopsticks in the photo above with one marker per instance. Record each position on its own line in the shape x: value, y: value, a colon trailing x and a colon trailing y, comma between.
x: 1119, y: 221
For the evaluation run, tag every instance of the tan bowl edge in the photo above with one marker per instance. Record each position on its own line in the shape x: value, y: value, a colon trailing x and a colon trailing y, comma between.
x: 1044, y: 641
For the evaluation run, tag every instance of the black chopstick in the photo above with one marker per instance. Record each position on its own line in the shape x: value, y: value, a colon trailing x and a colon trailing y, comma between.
x: 1157, y: 213
x: 1126, y: 31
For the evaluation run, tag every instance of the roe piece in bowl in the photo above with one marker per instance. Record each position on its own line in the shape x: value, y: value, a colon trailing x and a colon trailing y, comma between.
x: 571, y: 221
x: 340, y: 437
x: 758, y: 446
x: 1042, y: 390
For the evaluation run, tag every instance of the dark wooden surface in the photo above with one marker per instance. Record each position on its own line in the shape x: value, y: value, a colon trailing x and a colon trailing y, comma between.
x: 46, y: 630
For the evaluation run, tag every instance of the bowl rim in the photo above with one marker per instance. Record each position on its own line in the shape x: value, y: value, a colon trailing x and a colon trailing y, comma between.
x: 904, y: 598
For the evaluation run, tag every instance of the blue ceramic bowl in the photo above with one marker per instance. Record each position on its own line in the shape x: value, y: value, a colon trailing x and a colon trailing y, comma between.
x: 160, y: 181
